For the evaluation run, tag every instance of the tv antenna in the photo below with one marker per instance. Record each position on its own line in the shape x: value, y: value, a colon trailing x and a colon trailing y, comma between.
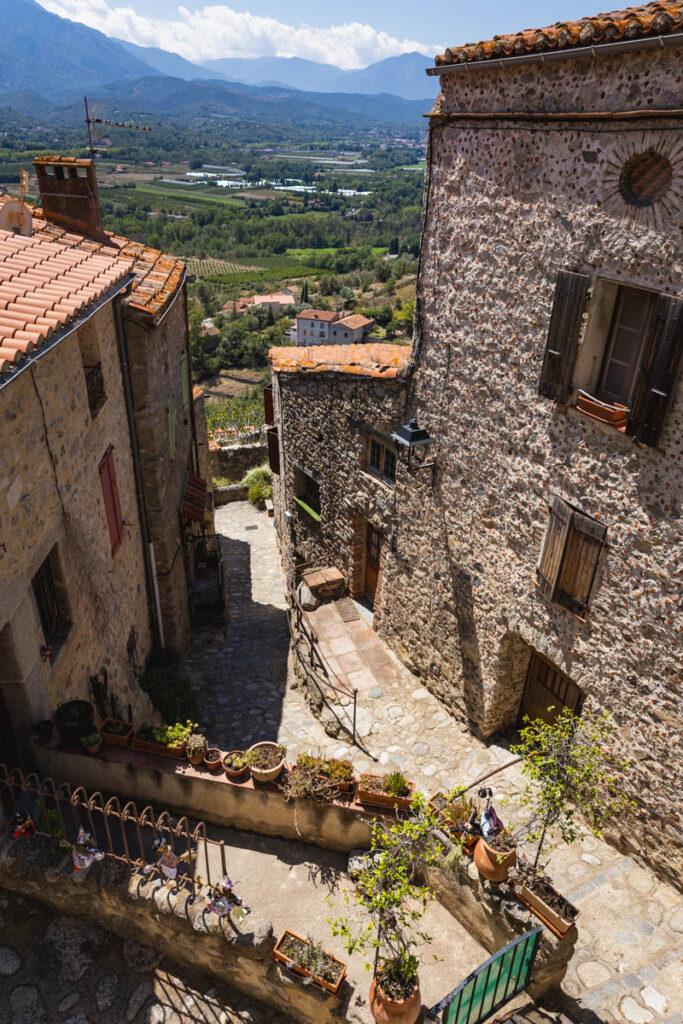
x: 93, y: 123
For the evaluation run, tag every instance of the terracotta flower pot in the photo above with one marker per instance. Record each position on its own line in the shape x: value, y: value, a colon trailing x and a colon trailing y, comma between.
x: 235, y: 774
x: 213, y: 759
x: 491, y: 863
x: 93, y: 748
x: 266, y: 774
x: 394, y: 1011
x: 196, y: 759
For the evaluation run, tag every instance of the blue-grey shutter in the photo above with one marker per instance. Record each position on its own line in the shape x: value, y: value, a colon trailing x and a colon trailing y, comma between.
x: 562, y: 342
x: 659, y: 372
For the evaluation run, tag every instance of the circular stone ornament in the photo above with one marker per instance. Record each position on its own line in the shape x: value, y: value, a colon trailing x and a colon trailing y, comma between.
x: 645, y: 178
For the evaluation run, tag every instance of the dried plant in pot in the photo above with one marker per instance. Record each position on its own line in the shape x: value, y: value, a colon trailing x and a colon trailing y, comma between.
x: 537, y: 892
x: 336, y: 771
x: 266, y: 760
x: 196, y: 748
x: 310, y: 961
x: 391, y: 791
x: 213, y: 759
x: 235, y: 765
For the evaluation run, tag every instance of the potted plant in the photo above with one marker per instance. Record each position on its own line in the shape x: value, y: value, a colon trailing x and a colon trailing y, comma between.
x: 196, y: 748
x: 387, y: 891
x: 537, y: 892
x: 213, y: 758
x: 92, y: 743
x: 315, y: 778
x: 266, y: 760
x: 567, y: 766
x: 116, y: 733
x: 455, y: 813
x: 167, y: 740
x: 495, y: 855
x: 73, y: 720
x: 335, y: 770
x: 392, y: 790
x: 308, y: 959
x: 235, y: 765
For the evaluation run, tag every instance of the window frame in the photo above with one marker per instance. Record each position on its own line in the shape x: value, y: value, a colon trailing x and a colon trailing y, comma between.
x: 307, y: 500
x: 635, y: 364
x: 47, y: 584
x: 385, y: 451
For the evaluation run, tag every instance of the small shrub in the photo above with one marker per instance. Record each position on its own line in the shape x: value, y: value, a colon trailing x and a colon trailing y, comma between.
x: 395, y: 784
x: 259, y: 484
x: 257, y: 476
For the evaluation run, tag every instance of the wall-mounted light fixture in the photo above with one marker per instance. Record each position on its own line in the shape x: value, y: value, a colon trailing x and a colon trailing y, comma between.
x: 412, y: 442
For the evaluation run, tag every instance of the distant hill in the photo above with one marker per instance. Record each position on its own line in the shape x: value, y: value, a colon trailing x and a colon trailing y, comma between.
x: 402, y: 76
x: 47, y: 54
x: 171, y: 64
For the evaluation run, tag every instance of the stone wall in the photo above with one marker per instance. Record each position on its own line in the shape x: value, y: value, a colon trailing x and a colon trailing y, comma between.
x: 51, y: 495
x: 324, y: 421
x: 507, y: 208
x: 154, y: 354
x: 232, y: 462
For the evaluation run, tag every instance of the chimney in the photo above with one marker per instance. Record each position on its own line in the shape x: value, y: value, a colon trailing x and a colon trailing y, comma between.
x: 68, y: 194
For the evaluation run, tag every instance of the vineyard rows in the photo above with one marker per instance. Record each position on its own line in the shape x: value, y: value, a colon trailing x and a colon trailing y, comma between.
x: 204, y: 268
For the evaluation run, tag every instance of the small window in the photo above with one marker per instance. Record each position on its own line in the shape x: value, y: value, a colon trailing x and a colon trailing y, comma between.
x: 382, y: 459
x: 185, y: 378
x: 307, y: 493
x: 112, y: 505
x: 624, y: 348
x: 170, y: 419
x: 273, y: 450
x: 569, y: 560
x: 51, y: 603
x: 89, y: 348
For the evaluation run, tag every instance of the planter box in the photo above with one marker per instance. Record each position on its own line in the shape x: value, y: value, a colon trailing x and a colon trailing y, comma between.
x: 111, y: 739
x: 615, y: 415
x: 379, y: 799
x: 286, y: 961
x: 549, y: 917
x: 151, y: 747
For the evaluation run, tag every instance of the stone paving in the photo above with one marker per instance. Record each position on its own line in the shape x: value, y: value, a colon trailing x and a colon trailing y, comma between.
x: 628, y: 963
x: 58, y: 970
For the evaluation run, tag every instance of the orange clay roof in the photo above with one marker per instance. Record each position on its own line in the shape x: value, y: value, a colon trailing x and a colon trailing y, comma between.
x: 652, y: 19
x: 360, y: 360
x: 319, y: 314
x: 355, y: 321
x: 157, y: 276
x: 43, y: 286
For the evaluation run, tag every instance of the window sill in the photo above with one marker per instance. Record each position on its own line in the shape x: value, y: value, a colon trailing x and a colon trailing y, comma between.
x: 558, y: 605
x: 376, y: 475
x: 611, y: 415
x: 308, y: 510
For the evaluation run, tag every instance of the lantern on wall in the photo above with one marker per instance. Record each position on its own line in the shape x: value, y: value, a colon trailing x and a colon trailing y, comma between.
x: 412, y: 442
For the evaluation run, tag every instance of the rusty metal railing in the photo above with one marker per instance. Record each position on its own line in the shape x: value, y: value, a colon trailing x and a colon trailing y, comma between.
x: 123, y: 834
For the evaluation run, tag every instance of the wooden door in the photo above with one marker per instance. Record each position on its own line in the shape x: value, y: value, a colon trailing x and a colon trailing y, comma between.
x: 373, y: 547
x: 547, y: 691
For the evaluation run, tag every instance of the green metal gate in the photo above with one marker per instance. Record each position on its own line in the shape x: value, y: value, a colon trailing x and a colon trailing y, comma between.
x: 501, y: 978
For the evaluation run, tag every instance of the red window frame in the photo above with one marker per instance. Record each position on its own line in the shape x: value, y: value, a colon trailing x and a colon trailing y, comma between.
x: 110, y: 494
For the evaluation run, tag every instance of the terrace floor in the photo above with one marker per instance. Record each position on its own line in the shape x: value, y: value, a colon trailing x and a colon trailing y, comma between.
x: 628, y: 964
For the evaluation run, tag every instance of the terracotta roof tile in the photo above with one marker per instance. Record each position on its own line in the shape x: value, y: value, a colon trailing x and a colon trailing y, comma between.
x: 361, y: 360
x: 355, y: 321
x: 654, y: 19
x: 43, y: 286
x: 319, y: 314
x: 157, y: 276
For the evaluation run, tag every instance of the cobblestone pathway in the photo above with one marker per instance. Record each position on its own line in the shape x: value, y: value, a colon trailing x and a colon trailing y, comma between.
x: 58, y: 970
x: 628, y: 964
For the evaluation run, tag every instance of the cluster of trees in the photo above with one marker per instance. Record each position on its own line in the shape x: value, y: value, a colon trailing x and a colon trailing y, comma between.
x: 245, y: 340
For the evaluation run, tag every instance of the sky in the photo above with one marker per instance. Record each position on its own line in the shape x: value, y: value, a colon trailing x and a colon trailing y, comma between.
x: 348, y: 33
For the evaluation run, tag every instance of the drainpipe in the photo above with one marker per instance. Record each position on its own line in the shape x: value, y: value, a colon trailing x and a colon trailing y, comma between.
x: 151, y: 588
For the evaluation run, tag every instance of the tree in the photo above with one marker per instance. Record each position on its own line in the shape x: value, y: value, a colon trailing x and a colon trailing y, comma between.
x: 304, y: 292
x: 568, y: 767
x: 387, y: 890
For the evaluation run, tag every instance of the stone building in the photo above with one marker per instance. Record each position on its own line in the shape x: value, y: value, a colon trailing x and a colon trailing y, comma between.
x: 128, y: 362
x: 320, y: 327
x: 540, y: 560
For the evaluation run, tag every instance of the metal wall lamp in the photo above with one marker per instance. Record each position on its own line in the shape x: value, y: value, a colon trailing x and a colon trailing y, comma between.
x: 411, y: 443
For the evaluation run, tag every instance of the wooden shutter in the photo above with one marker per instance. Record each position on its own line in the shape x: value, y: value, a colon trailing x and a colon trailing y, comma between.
x: 273, y: 450
x: 563, y: 335
x: 553, y: 548
x: 580, y: 562
x: 268, y: 404
x: 657, y: 380
x: 112, y: 505
x: 185, y: 378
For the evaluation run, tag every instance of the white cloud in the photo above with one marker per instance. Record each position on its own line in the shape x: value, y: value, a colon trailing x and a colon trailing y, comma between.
x: 218, y: 31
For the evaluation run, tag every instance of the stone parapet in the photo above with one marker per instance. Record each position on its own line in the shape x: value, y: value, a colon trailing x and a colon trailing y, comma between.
x: 233, y: 462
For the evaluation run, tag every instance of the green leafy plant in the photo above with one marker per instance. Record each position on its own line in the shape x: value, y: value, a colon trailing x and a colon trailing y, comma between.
x: 53, y: 825
x: 395, y: 784
x: 387, y: 890
x: 259, y: 484
x: 332, y: 768
x: 236, y: 760
x: 91, y: 740
x: 167, y: 735
x: 115, y: 728
x: 310, y: 955
x: 569, y: 767
x: 196, y: 745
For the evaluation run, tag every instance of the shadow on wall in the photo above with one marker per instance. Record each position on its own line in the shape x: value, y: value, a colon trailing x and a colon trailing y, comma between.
x: 242, y: 680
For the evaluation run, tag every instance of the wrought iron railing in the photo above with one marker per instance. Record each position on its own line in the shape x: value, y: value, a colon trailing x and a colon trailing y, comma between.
x: 94, y: 383
x: 124, y: 835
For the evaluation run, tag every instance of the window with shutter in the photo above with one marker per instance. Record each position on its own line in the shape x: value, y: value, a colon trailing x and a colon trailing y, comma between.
x: 51, y: 601
x: 571, y: 292
x: 659, y: 372
x: 185, y: 378
x: 112, y: 505
x: 268, y: 404
x: 570, y: 556
x: 170, y: 418
x: 273, y: 450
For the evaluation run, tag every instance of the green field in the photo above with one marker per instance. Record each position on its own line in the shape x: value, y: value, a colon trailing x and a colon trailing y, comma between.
x: 305, y: 254
x: 209, y: 267
x: 186, y: 197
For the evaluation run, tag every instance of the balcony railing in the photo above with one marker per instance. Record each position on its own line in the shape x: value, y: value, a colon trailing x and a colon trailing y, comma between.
x: 94, y: 383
